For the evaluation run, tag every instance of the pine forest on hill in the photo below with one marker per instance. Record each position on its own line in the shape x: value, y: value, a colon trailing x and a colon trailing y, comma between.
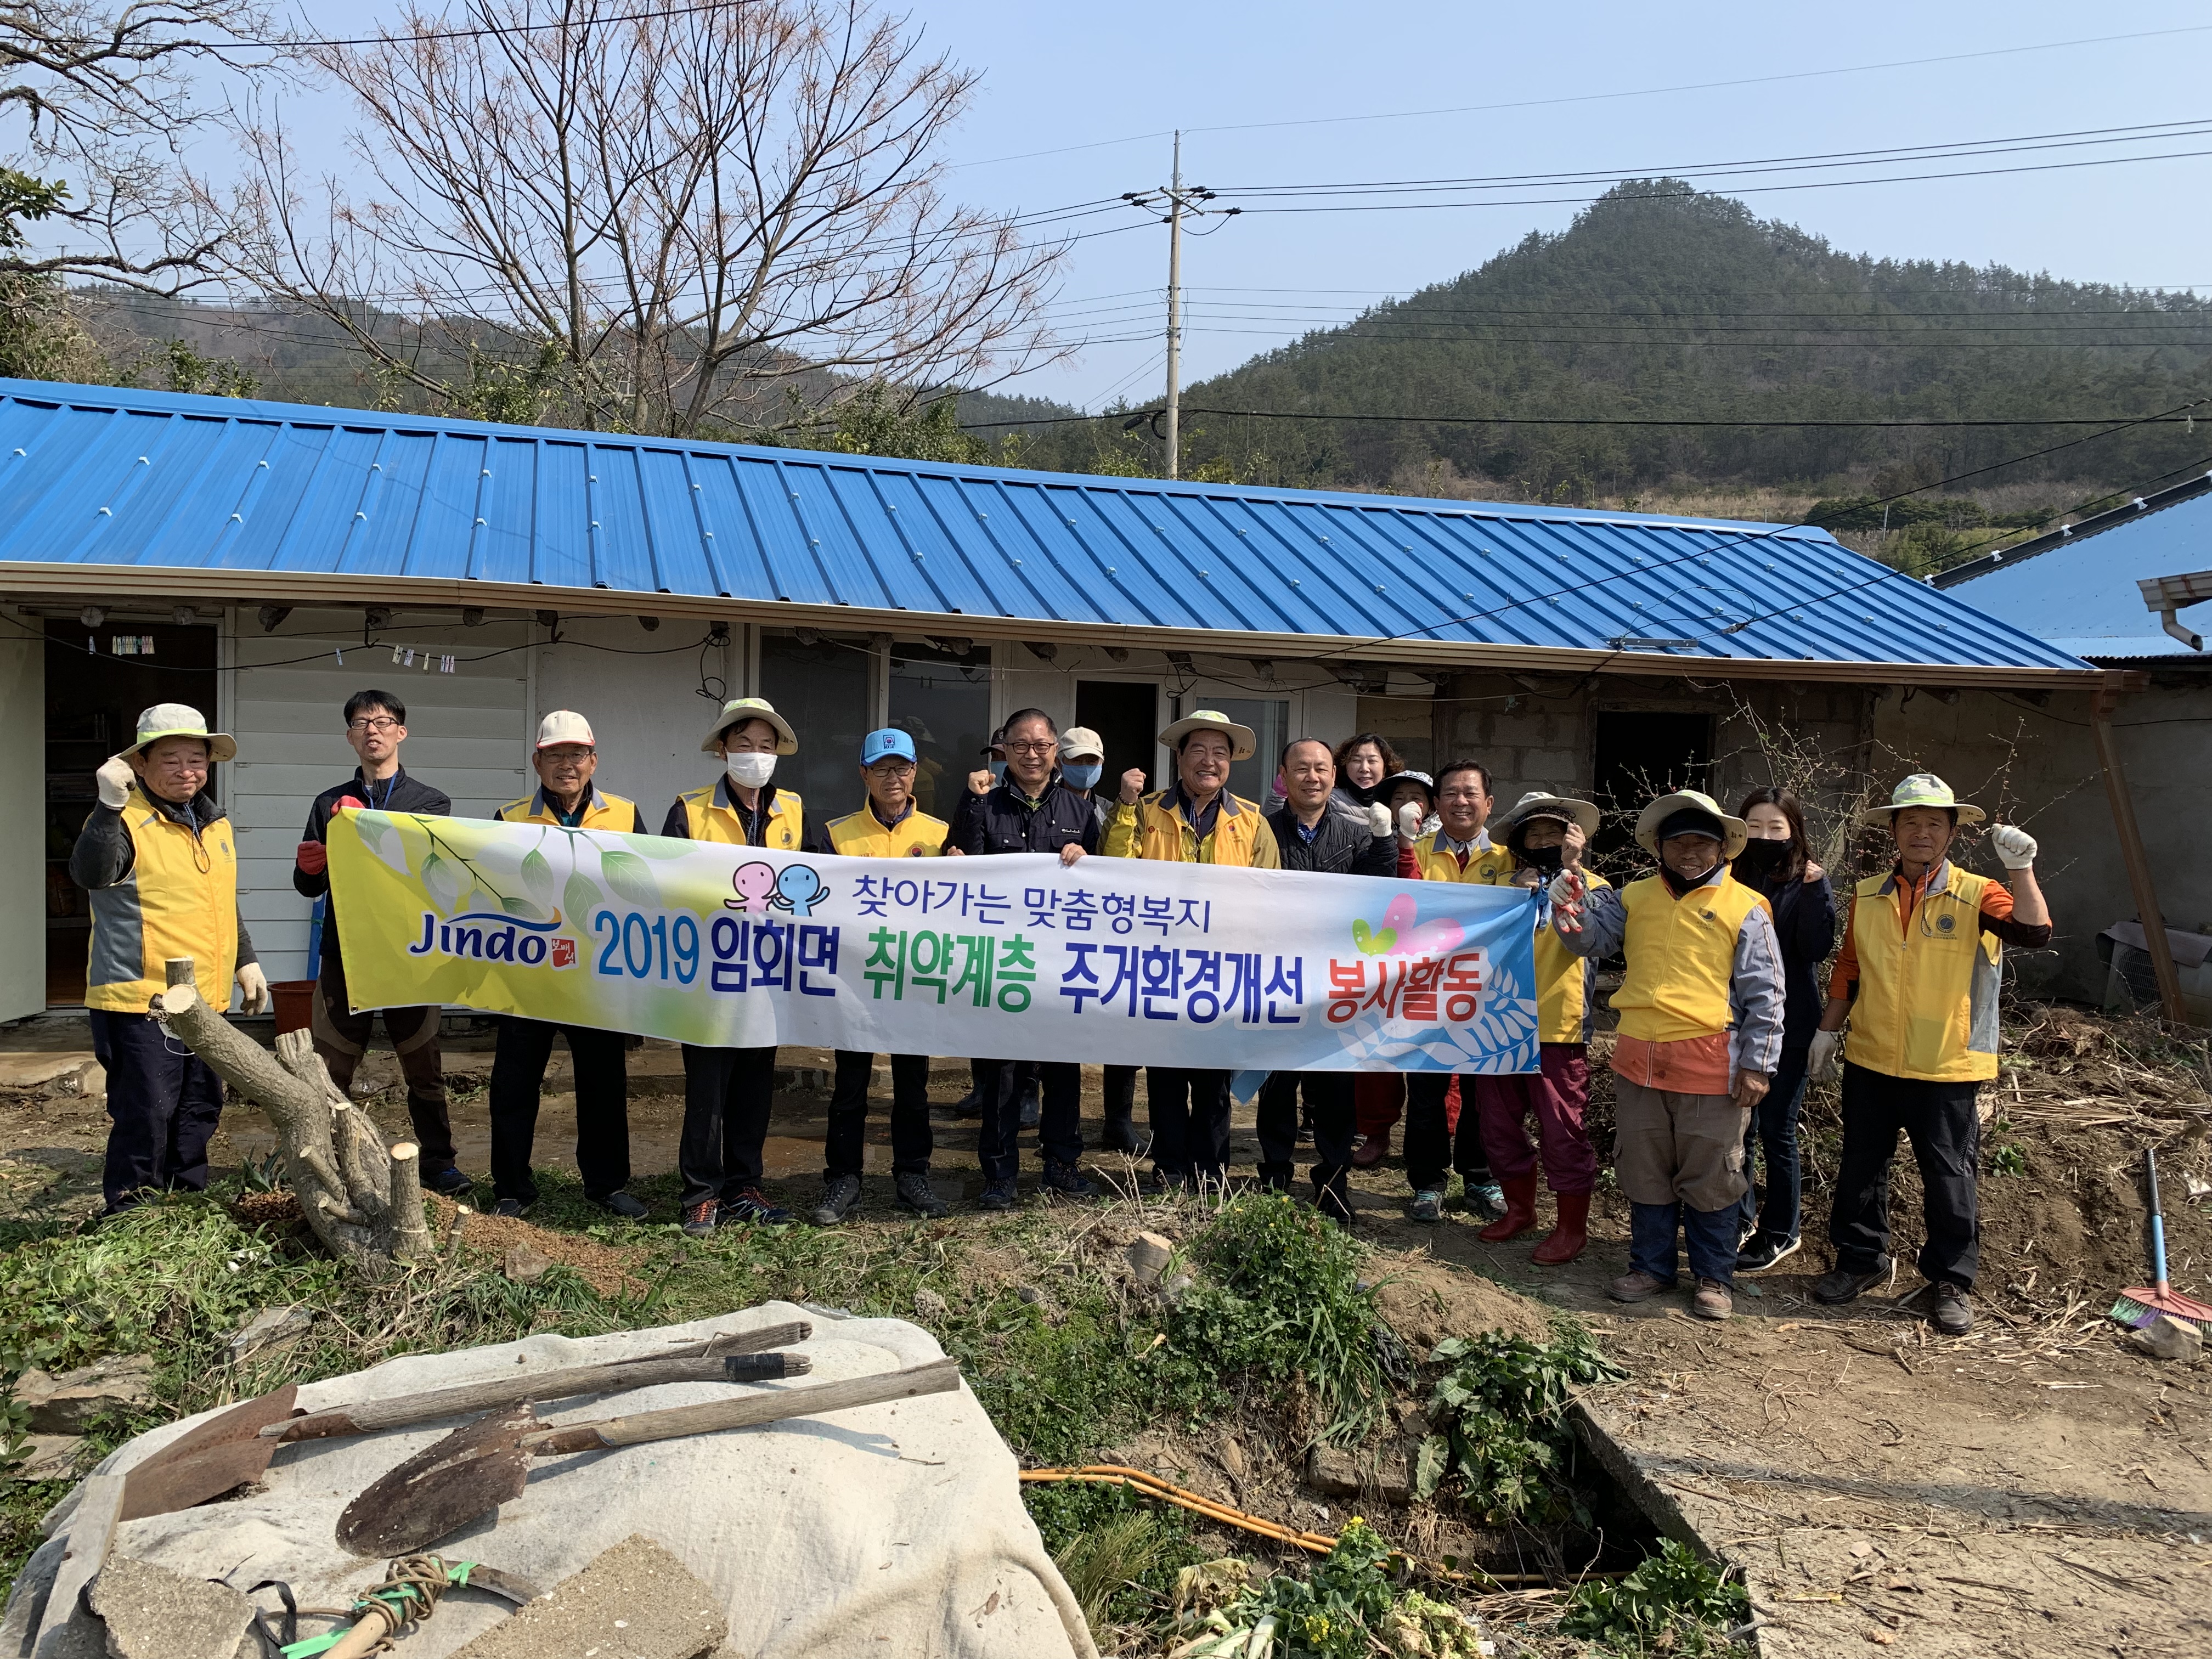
x: 1658, y: 303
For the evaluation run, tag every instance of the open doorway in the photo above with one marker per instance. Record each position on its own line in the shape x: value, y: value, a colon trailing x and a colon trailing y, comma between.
x: 1642, y: 753
x: 94, y: 694
x: 1125, y: 714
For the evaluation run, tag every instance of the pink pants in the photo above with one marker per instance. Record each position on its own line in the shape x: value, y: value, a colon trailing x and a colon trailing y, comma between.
x: 1559, y: 1097
x: 1377, y: 1098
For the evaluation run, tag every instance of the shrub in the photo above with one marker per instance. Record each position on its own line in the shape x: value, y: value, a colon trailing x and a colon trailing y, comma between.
x: 1673, y: 1604
x: 1501, y: 1439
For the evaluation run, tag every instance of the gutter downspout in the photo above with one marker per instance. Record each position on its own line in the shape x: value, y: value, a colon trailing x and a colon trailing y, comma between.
x: 2171, y: 622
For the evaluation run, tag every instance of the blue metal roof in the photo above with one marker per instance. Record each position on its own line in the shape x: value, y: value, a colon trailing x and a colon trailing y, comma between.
x: 129, y: 481
x: 2081, y: 595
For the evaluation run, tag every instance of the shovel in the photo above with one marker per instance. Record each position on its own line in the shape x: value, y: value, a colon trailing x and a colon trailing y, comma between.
x: 475, y: 1469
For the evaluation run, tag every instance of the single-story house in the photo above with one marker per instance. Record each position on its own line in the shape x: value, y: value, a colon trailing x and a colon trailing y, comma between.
x: 266, y: 560
x: 2102, y: 589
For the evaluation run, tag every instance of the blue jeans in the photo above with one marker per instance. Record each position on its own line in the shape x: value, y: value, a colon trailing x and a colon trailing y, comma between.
x: 1711, y: 1235
x: 1774, y: 1123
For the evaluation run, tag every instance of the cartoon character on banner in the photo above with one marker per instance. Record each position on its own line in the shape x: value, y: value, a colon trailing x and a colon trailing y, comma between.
x: 1397, y: 936
x: 798, y: 889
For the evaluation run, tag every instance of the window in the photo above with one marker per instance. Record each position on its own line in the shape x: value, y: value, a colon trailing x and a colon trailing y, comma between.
x: 822, y: 689
x: 943, y: 701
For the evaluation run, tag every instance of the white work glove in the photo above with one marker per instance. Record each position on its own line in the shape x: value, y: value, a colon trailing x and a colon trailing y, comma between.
x: 1566, y: 890
x: 115, y: 780
x: 253, y: 988
x: 1378, y: 820
x: 1409, y: 822
x: 2014, y: 847
x: 1820, y: 1062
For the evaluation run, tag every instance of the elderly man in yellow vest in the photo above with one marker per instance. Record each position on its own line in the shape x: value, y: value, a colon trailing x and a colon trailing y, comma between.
x: 727, y: 1092
x: 1701, y: 1035
x: 566, y: 760
x: 161, y: 862
x: 890, y: 826
x: 1917, y: 981
x: 1194, y: 820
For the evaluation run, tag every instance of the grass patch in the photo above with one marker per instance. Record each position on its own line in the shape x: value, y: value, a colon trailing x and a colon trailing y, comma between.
x: 1673, y: 1603
x: 1119, y: 1554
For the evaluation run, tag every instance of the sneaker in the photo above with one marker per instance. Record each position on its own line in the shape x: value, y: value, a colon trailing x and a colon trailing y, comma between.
x: 1952, y: 1309
x: 1486, y: 1198
x: 512, y: 1208
x: 1762, y: 1252
x: 1840, y: 1283
x: 700, y: 1219
x: 1001, y: 1195
x: 624, y: 1205
x: 750, y: 1204
x: 915, y: 1193
x: 448, y: 1182
x: 1711, y: 1300
x: 1428, y: 1204
x: 1637, y: 1285
x: 1067, y: 1181
x: 841, y: 1196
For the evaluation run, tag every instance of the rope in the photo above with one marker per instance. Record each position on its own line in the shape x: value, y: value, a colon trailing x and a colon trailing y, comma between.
x: 410, y: 1593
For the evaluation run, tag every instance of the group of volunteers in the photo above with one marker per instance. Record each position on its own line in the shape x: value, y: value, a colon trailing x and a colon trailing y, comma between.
x: 1722, y: 1014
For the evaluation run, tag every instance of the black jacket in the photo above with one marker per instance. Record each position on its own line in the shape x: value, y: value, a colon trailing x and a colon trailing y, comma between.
x: 1001, y: 821
x: 1805, y: 927
x: 398, y: 793
x: 1342, y: 844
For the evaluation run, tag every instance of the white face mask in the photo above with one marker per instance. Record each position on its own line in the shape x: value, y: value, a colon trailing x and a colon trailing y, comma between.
x: 749, y: 770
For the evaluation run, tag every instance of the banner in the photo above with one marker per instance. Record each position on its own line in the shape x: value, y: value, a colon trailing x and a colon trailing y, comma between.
x: 1115, y: 961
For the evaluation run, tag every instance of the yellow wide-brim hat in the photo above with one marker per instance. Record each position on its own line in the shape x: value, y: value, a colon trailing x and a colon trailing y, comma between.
x: 1243, y: 742
x: 1734, y: 831
x: 737, y: 711
x: 1921, y: 789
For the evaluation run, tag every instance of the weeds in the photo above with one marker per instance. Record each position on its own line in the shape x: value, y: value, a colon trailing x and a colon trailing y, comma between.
x: 1119, y: 1555
x: 1673, y: 1603
x: 1502, y: 1442
x: 1349, y: 1608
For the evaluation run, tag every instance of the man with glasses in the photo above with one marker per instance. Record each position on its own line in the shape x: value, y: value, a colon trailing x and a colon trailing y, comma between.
x: 566, y: 760
x: 1031, y: 812
x: 375, y: 727
x: 890, y: 826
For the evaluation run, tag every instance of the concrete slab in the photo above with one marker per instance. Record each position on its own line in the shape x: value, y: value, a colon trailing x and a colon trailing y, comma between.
x: 635, y: 1601
x: 152, y: 1613
x: 39, y: 1071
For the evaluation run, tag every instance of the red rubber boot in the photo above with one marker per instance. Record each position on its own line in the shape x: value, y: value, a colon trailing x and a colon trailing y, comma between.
x: 1570, y: 1235
x: 1520, y: 1211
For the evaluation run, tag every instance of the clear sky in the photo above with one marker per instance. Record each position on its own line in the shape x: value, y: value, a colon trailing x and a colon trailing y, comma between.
x: 1101, y: 87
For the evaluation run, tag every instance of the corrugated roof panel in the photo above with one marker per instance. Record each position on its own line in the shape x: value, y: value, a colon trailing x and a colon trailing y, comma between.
x: 241, y: 485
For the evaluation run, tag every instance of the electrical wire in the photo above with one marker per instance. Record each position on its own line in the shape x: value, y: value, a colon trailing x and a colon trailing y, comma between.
x: 2172, y: 417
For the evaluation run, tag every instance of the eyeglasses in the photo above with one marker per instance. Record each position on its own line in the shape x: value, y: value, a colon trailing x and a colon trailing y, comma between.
x: 382, y: 723
x: 1046, y: 747
x: 893, y: 768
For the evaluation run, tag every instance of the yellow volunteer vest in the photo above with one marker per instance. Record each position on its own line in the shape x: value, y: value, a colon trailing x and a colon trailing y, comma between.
x: 1491, y: 869
x: 602, y: 811
x: 709, y: 817
x: 1562, y: 981
x: 1927, y: 1005
x: 861, y: 834
x: 1156, y: 830
x: 181, y: 899
x: 1680, y: 954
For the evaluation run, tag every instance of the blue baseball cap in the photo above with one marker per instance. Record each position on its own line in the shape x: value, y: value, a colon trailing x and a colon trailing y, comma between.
x: 882, y: 745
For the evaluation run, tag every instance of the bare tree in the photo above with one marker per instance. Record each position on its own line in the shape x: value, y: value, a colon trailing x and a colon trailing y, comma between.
x: 105, y: 96
x: 607, y: 216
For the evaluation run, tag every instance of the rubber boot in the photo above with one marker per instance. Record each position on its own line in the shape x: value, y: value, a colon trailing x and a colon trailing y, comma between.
x: 1520, y: 1211
x: 1570, y: 1235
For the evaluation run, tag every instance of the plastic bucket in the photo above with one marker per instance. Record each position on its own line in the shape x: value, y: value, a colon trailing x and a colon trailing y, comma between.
x: 296, y: 1003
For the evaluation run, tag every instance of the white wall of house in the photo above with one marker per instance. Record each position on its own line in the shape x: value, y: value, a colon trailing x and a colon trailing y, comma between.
x: 22, y: 832
x: 640, y: 690
x: 467, y: 733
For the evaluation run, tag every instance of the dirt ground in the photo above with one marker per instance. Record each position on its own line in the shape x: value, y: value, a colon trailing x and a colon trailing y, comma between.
x: 2036, y: 1488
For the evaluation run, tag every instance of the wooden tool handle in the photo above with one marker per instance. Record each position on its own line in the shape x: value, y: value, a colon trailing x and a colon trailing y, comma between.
x: 696, y: 1362
x: 938, y: 1376
x: 364, y: 1636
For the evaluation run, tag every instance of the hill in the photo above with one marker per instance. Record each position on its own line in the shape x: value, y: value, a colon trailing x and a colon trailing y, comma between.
x: 1662, y: 303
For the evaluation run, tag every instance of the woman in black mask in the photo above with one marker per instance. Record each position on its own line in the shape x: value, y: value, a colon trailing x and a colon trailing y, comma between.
x: 1775, y: 861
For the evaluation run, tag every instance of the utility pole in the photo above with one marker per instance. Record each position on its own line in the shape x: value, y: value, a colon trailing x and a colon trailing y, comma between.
x: 1179, y: 204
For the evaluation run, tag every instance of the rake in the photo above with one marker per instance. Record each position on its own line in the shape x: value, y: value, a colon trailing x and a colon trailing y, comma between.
x: 2144, y: 1305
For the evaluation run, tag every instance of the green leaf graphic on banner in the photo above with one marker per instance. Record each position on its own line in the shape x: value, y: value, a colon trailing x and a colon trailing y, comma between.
x: 629, y: 876
x: 371, y: 832
x: 528, y: 909
x: 580, y: 898
x: 440, y: 882
x: 659, y: 847
x: 538, y: 874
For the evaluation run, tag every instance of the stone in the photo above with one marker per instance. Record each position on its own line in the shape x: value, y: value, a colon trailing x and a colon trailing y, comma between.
x: 1334, y: 1473
x: 2169, y: 1339
x: 47, y: 1457
x: 1148, y: 1257
x: 270, y: 1328
x: 1029, y: 1294
x: 635, y: 1602
x: 929, y: 1305
x: 152, y: 1613
x: 1232, y: 1457
x: 525, y: 1263
x: 69, y: 1403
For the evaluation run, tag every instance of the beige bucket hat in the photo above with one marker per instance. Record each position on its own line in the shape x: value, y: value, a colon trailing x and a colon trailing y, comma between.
x: 1735, y: 831
x: 1243, y: 742
x: 737, y: 711
x: 1538, y: 804
x: 1921, y: 789
x: 177, y: 720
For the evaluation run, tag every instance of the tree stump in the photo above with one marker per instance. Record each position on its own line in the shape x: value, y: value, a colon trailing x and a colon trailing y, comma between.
x: 362, y: 1198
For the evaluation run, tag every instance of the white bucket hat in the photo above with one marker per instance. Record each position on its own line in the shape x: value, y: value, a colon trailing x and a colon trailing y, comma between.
x: 737, y: 711
x: 565, y: 725
x: 1735, y: 831
x: 1921, y: 789
x: 1536, y: 804
x: 177, y: 720
x: 1243, y: 742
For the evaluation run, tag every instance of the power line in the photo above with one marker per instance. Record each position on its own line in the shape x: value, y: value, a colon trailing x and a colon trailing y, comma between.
x: 488, y: 30
x: 2176, y: 416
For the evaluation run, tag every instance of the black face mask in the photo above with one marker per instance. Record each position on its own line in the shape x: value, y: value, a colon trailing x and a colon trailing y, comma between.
x: 1760, y: 861
x: 1543, y: 859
